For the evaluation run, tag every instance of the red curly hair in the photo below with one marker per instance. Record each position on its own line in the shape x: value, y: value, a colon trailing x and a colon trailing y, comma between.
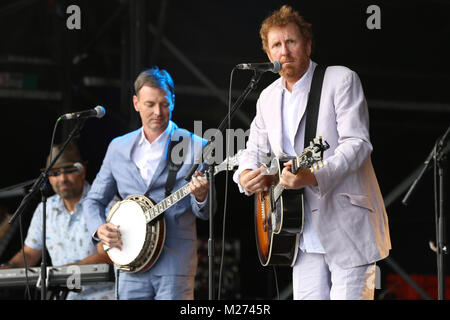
x: 281, y: 18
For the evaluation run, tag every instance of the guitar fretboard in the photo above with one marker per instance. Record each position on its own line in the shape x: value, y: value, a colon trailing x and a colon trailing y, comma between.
x: 300, y: 162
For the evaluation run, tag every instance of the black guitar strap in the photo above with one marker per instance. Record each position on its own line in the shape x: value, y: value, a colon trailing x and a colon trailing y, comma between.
x: 173, y: 168
x: 312, y: 107
x: 312, y: 112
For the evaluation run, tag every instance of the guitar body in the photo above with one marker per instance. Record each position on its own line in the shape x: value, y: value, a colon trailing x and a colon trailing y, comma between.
x: 278, y: 223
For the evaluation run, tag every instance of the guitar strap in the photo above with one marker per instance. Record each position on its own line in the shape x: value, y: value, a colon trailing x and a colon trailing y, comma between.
x: 311, y: 113
x: 173, y: 168
x: 312, y: 107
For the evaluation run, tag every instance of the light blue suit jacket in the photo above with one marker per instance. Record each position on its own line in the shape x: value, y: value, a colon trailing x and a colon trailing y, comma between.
x: 120, y: 175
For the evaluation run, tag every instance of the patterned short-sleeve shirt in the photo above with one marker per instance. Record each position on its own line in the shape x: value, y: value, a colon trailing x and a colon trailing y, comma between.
x: 67, y: 241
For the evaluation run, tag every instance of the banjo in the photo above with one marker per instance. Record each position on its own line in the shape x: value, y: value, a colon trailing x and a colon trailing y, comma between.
x: 143, y: 227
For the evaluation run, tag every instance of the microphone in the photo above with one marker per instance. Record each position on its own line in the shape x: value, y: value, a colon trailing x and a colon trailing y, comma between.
x: 274, y: 66
x: 97, y: 112
x: 79, y: 167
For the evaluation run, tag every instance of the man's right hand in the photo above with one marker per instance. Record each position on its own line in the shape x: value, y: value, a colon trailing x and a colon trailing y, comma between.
x: 252, y: 180
x: 109, y: 235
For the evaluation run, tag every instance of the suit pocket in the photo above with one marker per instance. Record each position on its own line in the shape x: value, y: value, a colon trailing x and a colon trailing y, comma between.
x: 358, y: 200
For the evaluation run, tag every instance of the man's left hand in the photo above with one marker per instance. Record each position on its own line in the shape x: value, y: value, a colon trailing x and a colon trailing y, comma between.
x: 199, y: 186
x: 303, y: 178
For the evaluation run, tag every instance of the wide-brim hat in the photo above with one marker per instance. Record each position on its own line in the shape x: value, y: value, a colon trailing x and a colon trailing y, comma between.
x: 69, y: 157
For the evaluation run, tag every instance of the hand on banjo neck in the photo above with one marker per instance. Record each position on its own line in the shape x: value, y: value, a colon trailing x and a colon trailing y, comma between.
x: 199, y: 186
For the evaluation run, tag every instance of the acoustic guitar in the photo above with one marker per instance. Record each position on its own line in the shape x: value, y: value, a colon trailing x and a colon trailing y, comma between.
x: 279, y: 213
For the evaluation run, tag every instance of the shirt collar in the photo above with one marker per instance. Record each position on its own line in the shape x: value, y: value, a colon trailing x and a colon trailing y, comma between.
x: 161, y: 138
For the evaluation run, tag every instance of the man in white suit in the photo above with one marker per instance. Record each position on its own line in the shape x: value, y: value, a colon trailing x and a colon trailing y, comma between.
x: 346, y: 227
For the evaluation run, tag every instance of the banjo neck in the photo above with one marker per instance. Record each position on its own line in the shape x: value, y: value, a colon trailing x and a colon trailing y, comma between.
x: 158, y: 209
x: 154, y: 212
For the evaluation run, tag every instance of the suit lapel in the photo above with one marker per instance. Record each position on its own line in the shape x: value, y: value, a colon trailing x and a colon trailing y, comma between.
x: 302, y: 112
x: 127, y: 148
x: 300, y: 116
x: 163, y: 161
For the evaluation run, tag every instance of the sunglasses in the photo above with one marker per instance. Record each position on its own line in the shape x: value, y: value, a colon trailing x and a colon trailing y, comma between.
x: 57, y: 172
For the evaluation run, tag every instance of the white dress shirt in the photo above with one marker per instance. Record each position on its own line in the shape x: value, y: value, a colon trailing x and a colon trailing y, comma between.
x: 147, y: 155
x: 293, y: 105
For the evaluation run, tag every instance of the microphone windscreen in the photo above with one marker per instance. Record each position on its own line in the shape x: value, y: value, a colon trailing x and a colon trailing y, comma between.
x: 276, y: 66
x: 79, y: 167
x: 100, y: 111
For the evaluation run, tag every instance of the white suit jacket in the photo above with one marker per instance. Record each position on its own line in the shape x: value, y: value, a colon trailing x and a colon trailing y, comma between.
x: 348, y: 211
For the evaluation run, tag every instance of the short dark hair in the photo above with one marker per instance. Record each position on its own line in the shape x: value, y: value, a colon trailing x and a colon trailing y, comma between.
x: 156, y: 78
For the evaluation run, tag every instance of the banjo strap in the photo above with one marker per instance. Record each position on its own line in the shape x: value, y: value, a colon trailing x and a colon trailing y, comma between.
x: 172, y: 167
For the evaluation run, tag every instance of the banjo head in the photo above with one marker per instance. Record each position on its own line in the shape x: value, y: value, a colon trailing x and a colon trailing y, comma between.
x: 142, y: 241
x: 129, y: 217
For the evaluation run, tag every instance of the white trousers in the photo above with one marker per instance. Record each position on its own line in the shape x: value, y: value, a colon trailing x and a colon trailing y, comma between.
x: 314, y: 278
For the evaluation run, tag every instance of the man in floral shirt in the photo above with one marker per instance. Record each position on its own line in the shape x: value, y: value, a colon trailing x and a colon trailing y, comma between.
x: 67, y: 240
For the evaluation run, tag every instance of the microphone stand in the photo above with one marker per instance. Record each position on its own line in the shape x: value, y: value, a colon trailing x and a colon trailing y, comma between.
x: 39, y: 184
x: 207, y: 153
x: 439, y: 155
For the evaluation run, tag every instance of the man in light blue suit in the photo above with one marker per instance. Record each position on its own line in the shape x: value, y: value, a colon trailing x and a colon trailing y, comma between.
x: 136, y: 164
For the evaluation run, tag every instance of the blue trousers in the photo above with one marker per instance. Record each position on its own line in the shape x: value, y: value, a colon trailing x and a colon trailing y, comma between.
x: 146, y: 286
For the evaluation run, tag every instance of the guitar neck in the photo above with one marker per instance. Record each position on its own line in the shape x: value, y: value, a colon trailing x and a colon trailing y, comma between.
x: 310, y: 157
x: 158, y: 209
x: 299, y: 162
